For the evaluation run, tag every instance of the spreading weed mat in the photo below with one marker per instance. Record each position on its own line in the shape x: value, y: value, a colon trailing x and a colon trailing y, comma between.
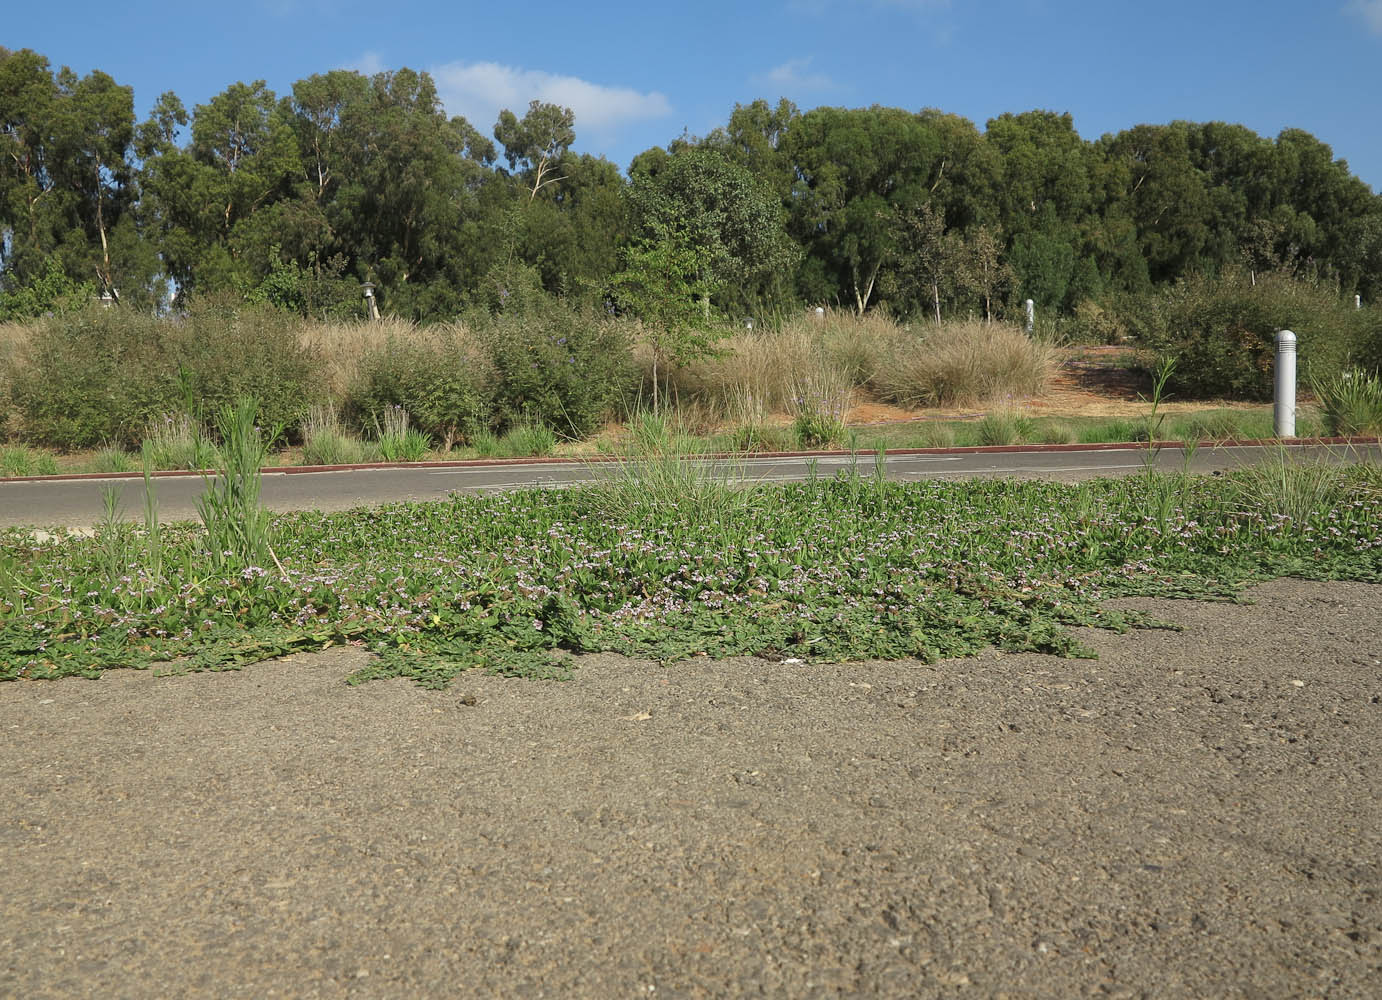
x: 844, y: 569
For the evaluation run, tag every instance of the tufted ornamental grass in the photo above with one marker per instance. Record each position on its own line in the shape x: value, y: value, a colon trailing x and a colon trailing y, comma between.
x: 965, y: 363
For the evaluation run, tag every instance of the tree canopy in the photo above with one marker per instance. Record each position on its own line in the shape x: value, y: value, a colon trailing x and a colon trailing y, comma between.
x: 298, y: 198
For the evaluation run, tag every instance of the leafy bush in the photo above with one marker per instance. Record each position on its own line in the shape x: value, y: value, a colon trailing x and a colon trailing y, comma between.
x: 1367, y: 351
x: 231, y: 354
x: 444, y: 377
x: 1093, y: 323
x: 560, y: 366
x: 1221, y: 331
x: 101, y: 375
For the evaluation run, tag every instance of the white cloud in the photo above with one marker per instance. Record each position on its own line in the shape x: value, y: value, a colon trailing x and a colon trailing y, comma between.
x: 1370, y: 11
x: 480, y: 90
x: 368, y: 64
x: 795, y: 75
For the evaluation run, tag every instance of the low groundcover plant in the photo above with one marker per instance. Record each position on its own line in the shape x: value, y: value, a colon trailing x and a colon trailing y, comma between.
x: 842, y: 569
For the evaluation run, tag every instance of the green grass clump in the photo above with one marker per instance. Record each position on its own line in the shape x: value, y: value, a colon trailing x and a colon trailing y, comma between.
x: 528, y: 440
x: 670, y: 558
x: 17, y: 460
x: 397, y: 440
x: 177, y: 441
x: 325, y: 440
x: 813, y: 429
x: 1350, y: 402
x: 112, y: 458
x: 1004, y: 427
x: 756, y: 437
x: 1055, y: 432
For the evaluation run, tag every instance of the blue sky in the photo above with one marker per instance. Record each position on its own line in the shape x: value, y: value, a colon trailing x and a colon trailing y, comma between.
x: 639, y: 74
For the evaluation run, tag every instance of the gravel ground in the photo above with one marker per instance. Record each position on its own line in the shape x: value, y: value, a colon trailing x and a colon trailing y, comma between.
x: 1194, y: 814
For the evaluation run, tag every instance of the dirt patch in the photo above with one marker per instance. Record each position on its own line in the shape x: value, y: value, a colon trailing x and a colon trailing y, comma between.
x: 1193, y: 814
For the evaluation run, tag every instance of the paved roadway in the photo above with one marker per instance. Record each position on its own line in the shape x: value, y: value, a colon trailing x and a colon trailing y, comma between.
x: 79, y: 502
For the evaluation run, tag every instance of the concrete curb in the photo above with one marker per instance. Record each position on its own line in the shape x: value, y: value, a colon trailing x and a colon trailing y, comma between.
x: 480, y: 463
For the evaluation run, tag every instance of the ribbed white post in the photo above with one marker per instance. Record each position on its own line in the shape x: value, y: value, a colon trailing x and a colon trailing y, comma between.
x: 1031, y: 314
x: 1284, y: 411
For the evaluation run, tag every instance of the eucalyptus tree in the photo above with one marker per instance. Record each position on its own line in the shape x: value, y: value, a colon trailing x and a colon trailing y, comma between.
x: 537, y: 142
x: 720, y: 208
x: 66, y: 176
x: 201, y: 199
x: 856, y: 171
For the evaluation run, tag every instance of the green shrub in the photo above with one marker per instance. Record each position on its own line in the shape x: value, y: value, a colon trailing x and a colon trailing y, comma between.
x: 1367, y: 352
x: 566, y: 368
x: 1221, y: 331
x: 100, y: 375
x: 1095, y: 324
x: 231, y: 354
x: 442, y: 376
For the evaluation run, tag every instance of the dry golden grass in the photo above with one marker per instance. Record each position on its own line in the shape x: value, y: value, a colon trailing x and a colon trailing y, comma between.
x: 12, y: 337
x: 957, y: 364
x: 343, y: 347
x: 814, y: 364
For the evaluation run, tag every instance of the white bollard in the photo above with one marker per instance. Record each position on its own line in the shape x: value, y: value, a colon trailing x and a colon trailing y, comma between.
x: 1357, y: 302
x: 1284, y: 411
x: 820, y: 312
x: 1031, y: 315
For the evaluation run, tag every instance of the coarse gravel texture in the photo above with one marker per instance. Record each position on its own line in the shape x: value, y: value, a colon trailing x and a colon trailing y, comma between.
x: 1195, y: 814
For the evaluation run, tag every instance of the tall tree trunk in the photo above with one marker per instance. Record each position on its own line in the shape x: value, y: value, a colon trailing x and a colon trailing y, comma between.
x: 106, y: 277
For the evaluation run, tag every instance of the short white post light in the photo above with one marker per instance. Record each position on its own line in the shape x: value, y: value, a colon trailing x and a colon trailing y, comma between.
x: 820, y: 312
x: 1031, y: 314
x: 1357, y: 302
x: 1284, y: 410
x: 371, y: 306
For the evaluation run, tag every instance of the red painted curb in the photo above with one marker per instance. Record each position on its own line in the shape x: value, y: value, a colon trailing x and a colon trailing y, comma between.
x: 294, y: 470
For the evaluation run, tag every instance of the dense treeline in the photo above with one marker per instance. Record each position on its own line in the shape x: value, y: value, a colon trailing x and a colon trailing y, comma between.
x: 297, y: 199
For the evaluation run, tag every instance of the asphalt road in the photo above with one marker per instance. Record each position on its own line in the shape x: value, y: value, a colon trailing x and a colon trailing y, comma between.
x: 80, y: 502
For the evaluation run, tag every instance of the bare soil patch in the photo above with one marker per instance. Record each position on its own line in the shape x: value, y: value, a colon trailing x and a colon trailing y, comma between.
x: 1193, y: 814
